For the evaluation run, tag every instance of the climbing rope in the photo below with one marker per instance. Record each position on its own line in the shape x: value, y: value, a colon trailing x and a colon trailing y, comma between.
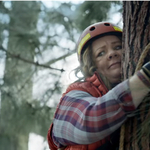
x: 138, y: 67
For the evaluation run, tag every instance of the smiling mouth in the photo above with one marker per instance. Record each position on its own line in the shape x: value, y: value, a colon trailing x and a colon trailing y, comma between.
x: 117, y: 63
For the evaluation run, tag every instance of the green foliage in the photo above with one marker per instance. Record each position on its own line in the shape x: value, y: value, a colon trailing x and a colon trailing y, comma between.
x: 90, y: 12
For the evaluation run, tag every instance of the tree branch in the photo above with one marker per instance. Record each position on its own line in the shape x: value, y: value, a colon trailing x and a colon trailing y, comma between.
x: 59, y: 58
x: 28, y: 61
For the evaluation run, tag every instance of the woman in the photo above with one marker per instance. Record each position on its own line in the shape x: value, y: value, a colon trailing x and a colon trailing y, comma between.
x: 92, y: 111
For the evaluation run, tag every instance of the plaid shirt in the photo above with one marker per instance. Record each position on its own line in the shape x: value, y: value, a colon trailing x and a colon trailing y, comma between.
x: 84, y: 119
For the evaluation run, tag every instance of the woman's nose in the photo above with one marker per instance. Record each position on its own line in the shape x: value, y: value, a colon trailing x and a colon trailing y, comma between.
x: 112, y: 54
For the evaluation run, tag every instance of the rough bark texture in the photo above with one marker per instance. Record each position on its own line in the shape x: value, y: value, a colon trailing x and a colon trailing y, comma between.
x: 136, y: 37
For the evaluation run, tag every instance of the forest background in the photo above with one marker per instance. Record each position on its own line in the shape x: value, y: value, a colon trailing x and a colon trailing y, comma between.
x: 37, y: 56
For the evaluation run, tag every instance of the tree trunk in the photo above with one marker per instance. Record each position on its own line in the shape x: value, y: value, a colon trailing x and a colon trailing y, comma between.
x: 136, y: 36
x: 17, y: 89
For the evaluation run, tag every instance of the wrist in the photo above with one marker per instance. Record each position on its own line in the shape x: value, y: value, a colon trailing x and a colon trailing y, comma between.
x: 139, y: 86
x: 143, y: 77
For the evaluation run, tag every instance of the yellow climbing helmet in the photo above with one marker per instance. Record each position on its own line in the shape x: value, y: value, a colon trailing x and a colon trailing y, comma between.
x: 95, y: 31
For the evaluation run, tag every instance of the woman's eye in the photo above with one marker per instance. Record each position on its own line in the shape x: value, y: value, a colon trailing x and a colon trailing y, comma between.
x: 118, y: 47
x: 100, y: 54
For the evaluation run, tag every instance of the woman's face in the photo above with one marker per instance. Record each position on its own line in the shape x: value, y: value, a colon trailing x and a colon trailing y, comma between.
x: 107, y: 57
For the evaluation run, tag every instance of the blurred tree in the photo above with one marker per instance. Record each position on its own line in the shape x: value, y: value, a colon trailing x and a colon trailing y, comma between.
x: 17, y: 88
x: 136, y: 39
x: 90, y: 12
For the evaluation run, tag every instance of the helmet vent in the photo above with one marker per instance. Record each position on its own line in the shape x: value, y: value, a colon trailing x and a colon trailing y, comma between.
x: 92, y: 28
x: 106, y: 24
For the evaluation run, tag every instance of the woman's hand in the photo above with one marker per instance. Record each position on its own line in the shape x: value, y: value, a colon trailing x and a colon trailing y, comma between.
x: 139, y: 86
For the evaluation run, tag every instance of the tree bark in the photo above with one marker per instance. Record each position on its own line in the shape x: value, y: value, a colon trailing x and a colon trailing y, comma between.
x: 136, y: 36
